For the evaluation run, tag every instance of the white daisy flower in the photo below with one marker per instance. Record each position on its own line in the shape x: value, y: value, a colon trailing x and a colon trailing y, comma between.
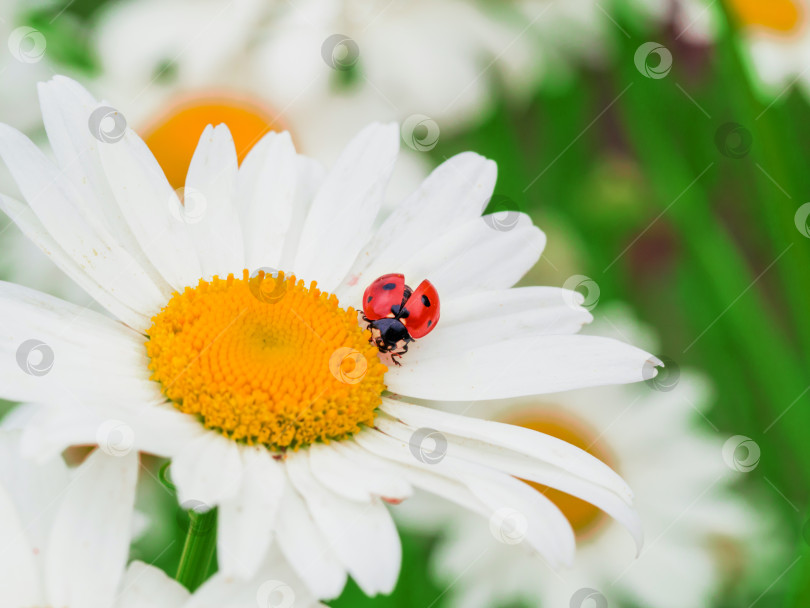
x: 265, y: 392
x: 776, y: 38
x: 700, y: 534
x: 307, y: 58
x: 66, y: 537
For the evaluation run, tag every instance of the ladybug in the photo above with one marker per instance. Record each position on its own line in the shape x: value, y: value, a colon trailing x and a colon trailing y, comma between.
x: 397, y: 315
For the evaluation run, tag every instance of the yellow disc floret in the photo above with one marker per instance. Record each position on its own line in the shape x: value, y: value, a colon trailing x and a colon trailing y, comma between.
x: 266, y: 360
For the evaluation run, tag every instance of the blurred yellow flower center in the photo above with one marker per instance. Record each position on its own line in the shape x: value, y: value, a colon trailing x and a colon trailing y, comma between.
x: 266, y: 360
x: 779, y: 15
x: 174, y: 135
x: 584, y: 517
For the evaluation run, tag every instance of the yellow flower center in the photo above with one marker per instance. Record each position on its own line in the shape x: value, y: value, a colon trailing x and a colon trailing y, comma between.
x: 174, y: 135
x: 783, y: 16
x: 585, y: 518
x: 266, y: 360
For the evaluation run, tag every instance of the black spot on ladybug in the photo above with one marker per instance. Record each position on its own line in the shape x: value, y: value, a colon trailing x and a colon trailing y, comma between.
x: 430, y: 322
x: 370, y: 298
x: 389, y: 286
x: 425, y: 300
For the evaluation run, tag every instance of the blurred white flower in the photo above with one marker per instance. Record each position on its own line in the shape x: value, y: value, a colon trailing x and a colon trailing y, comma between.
x: 776, y: 41
x: 66, y: 536
x: 698, y: 533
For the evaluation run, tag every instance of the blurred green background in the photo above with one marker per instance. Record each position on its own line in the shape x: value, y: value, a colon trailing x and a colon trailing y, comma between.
x: 678, y: 195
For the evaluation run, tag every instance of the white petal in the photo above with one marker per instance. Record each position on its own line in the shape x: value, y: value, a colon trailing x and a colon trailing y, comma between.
x: 152, y: 209
x: 35, y: 487
x: 310, y: 177
x: 156, y: 428
x: 482, y: 490
x: 247, y: 520
x: 436, y: 480
x: 511, y: 443
x: 92, y: 357
x: 348, y: 471
x: 207, y: 470
x: 344, y: 210
x: 475, y: 257
x: 456, y: 192
x: 66, y: 111
x: 91, y: 533
x: 33, y: 229
x: 362, y: 535
x: 267, y: 192
x: 145, y: 585
x: 209, y: 195
x: 59, y: 207
x: 306, y: 548
x: 525, y: 365
x: 527, y: 455
x: 493, y: 316
x: 19, y: 579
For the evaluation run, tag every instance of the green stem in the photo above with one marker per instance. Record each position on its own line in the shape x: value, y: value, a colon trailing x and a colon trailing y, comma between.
x: 198, y: 551
x: 730, y: 289
x: 778, y: 194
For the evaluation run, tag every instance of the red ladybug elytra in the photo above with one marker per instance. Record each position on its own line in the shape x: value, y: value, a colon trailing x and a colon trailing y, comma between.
x: 397, y: 315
